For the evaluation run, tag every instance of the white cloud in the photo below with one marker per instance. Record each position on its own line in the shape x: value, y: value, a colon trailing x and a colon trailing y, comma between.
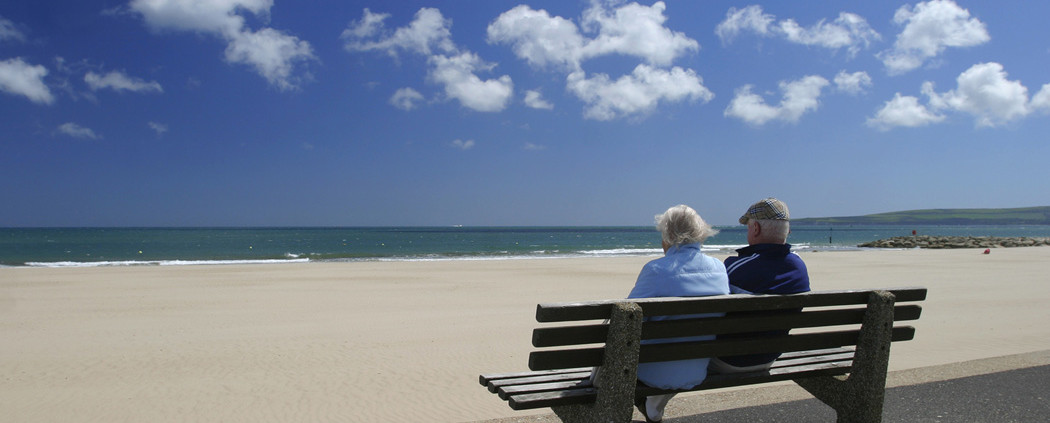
x: 118, y: 81
x: 800, y: 96
x: 630, y: 30
x: 852, y: 83
x: 429, y: 34
x: 1041, y: 100
x: 20, y: 78
x: 611, y: 28
x: 77, y: 131
x: 984, y: 92
x: 216, y: 16
x: 538, y: 38
x: 406, y: 99
x: 534, y: 99
x: 903, y: 111
x: 463, y: 145
x: 635, y: 30
x: 159, y: 128
x: 637, y: 93
x: 750, y: 18
x: 456, y: 73
x: 849, y: 31
x: 272, y: 53
x: 8, y: 31
x: 929, y: 28
x: 534, y: 147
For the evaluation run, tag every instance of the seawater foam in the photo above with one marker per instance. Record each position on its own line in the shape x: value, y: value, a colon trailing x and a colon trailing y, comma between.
x: 623, y: 252
x: 158, y: 263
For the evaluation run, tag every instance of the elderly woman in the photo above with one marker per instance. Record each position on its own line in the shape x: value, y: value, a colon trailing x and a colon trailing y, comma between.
x: 683, y: 271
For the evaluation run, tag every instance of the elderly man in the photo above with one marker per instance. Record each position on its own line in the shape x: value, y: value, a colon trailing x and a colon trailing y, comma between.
x: 765, y: 266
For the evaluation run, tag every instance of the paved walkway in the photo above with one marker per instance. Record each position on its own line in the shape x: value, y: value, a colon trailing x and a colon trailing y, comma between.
x: 1021, y: 395
x: 1002, y: 389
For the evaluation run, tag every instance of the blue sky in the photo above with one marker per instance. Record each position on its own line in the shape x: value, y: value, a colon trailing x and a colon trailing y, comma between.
x: 346, y: 113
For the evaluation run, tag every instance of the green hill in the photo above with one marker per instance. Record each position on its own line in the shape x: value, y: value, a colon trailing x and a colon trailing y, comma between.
x: 1016, y: 216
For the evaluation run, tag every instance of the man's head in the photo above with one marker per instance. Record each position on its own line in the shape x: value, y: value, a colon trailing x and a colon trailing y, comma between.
x: 767, y: 222
x: 682, y: 225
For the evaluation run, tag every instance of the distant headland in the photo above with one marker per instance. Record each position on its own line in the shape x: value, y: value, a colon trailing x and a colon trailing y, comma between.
x: 1014, y: 216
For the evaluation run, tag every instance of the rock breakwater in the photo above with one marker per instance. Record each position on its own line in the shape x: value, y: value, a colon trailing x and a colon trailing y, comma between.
x: 930, y: 241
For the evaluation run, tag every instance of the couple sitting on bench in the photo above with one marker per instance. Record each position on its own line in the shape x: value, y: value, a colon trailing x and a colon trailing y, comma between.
x: 765, y: 266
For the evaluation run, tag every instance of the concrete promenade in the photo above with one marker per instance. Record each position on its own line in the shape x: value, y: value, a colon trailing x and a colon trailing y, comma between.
x: 1000, y: 389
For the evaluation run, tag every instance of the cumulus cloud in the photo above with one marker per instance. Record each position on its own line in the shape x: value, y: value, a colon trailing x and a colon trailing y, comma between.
x: 750, y: 18
x: 634, y: 30
x: 77, y: 131
x: 606, y: 28
x: 463, y: 145
x: 534, y: 99
x: 637, y: 93
x: 983, y: 91
x: 20, y: 78
x: 429, y: 34
x: 630, y: 30
x: 538, y: 38
x: 852, y: 83
x: 903, y: 111
x: 271, y: 53
x: 406, y: 99
x: 118, y: 81
x: 456, y: 74
x: 930, y: 28
x: 159, y: 128
x: 848, y: 30
x: 1041, y: 100
x: 9, y: 32
x: 799, y: 97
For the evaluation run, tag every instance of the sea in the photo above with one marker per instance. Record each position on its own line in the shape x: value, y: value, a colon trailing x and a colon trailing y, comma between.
x: 90, y: 247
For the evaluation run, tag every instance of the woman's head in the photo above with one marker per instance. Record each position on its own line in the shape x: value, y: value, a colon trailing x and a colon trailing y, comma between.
x: 682, y: 225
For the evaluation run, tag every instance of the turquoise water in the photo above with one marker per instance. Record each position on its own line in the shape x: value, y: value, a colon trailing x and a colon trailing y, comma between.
x: 54, y: 247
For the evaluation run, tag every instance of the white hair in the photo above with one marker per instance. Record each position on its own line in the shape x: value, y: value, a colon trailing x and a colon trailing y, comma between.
x: 774, y: 230
x: 683, y: 225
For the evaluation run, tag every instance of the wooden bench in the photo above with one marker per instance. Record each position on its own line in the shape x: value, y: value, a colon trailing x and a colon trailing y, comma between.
x: 836, y: 333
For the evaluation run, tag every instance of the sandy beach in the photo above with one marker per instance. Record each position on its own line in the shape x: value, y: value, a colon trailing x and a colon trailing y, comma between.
x: 400, y: 341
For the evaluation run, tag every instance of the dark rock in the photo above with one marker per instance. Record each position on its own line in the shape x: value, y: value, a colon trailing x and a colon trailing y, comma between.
x: 930, y: 241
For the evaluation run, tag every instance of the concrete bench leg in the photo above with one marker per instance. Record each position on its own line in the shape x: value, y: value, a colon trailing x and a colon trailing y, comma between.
x: 859, y: 398
x: 618, y: 374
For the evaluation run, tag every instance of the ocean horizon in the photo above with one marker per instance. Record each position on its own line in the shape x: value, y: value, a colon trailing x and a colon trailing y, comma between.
x: 109, y: 246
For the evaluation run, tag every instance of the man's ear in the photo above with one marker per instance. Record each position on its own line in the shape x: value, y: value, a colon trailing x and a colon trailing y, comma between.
x: 758, y: 227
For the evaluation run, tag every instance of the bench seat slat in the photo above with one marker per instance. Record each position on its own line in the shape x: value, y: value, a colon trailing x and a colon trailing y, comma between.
x: 507, y: 391
x: 486, y: 378
x: 775, y: 374
x: 541, y: 395
x: 494, y: 385
x: 542, y: 381
x: 552, y: 399
x: 598, y: 310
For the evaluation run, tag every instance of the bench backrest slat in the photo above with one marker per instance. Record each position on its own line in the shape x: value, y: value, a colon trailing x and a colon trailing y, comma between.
x: 596, y: 333
x: 586, y: 357
x: 597, y: 310
x: 750, y: 325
